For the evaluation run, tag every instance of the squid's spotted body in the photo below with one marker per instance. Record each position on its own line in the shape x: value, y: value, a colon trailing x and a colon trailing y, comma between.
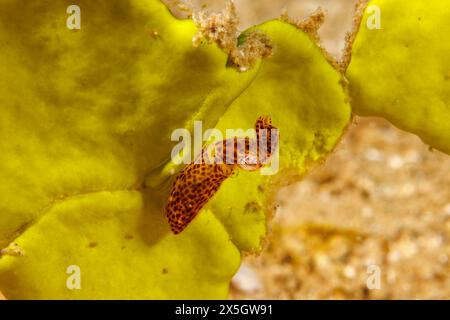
x: 199, y: 180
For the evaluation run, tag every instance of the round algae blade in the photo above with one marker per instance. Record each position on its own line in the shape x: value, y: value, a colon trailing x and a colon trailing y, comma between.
x: 400, y: 67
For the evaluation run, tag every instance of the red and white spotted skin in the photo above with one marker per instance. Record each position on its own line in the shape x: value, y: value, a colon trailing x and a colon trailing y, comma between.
x: 200, y: 180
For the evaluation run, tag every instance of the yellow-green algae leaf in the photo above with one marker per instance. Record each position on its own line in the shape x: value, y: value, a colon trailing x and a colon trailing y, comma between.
x: 302, y: 93
x: 120, y: 242
x: 83, y: 207
x: 402, y: 71
x: 85, y: 116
